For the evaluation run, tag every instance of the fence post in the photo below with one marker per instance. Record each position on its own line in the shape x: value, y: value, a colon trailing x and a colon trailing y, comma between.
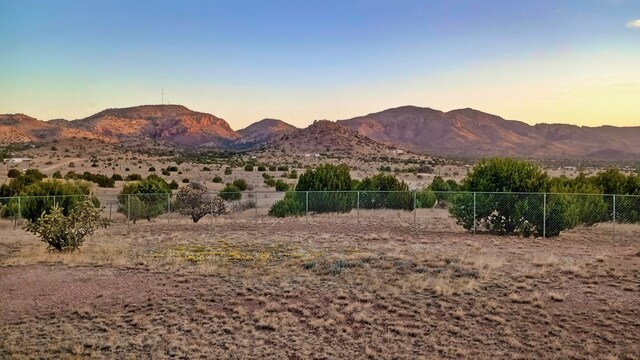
x: 19, y: 212
x: 128, y: 210
x: 168, y: 207
x: 306, y: 206
x: 415, y: 211
x: 358, y: 207
x: 474, y: 213
x: 110, y: 205
x: 544, y: 216
x: 614, y: 216
x: 256, y: 212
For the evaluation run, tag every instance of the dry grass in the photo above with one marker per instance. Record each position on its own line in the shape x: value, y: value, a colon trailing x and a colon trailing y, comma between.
x: 285, y: 289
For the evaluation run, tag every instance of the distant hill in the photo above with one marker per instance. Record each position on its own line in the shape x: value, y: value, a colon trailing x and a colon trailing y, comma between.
x: 468, y: 132
x: 263, y: 132
x: 171, y: 123
x: 326, y: 137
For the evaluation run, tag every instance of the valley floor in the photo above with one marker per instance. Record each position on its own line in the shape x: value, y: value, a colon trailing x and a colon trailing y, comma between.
x: 287, y: 289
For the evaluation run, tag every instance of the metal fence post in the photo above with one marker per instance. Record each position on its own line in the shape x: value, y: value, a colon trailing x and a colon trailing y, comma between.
x: 168, y: 207
x: 415, y: 210
x: 306, y: 206
x: 614, y: 216
x: 19, y: 209
x: 474, y: 213
x: 256, y: 207
x: 110, y: 205
x: 544, y: 216
x: 358, y: 208
x: 128, y: 210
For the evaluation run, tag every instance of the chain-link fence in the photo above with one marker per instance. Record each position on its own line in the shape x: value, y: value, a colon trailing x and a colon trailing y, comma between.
x: 523, y: 214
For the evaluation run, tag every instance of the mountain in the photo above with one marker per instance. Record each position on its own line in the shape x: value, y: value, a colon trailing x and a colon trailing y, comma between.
x: 262, y: 132
x: 19, y: 128
x: 171, y: 123
x: 462, y: 132
x: 469, y: 132
x: 328, y: 137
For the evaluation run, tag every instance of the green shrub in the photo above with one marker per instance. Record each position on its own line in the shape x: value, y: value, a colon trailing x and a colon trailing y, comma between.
x: 266, y: 176
x: 293, y: 204
x: 172, y: 168
x: 228, y: 171
x: 206, y: 168
x: 152, y: 169
x: 57, y: 175
x: 117, y: 177
x: 330, y: 187
x: 144, y: 199
x: 185, y: 181
x: 133, y: 177
x: 241, y: 184
x: 67, y: 232
x: 231, y: 193
x: 281, y: 185
x: 40, y: 197
x: 216, y: 179
x: 173, y: 185
x: 509, y: 200
x: 293, y: 174
x: 271, y: 182
x: 425, y: 199
x: 262, y: 168
x: 272, y: 168
x: 165, y: 173
x: 283, y: 168
x: 13, y: 173
x: 384, y: 191
x: 248, y: 167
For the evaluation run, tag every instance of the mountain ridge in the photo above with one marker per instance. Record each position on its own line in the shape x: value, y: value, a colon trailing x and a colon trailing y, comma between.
x: 459, y: 132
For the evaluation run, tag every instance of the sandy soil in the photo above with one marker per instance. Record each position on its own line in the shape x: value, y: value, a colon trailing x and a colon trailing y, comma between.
x: 321, y: 287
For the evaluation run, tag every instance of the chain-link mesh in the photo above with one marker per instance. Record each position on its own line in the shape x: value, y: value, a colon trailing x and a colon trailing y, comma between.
x: 523, y: 214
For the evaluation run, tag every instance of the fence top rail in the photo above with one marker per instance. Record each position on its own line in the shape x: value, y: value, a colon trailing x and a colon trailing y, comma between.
x: 325, y: 192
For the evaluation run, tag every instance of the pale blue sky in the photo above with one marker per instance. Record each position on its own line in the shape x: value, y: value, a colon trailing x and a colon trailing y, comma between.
x: 537, y: 61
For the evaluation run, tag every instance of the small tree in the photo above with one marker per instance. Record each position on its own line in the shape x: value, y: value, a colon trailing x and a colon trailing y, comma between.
x: 194, y: 201
x: 67, y: 233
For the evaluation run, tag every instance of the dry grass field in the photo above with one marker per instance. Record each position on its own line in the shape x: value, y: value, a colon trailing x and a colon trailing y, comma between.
x: 320, y: 288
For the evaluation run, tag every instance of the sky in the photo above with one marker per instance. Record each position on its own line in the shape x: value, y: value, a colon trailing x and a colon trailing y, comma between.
x: 537, y: 61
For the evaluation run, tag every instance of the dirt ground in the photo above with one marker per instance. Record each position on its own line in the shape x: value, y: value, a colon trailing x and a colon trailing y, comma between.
x: 321, y: 288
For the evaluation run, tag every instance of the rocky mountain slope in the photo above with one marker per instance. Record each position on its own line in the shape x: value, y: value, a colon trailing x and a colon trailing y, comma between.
x: 468, y: 132
x: 171, y: 123
x: 19, y: 128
